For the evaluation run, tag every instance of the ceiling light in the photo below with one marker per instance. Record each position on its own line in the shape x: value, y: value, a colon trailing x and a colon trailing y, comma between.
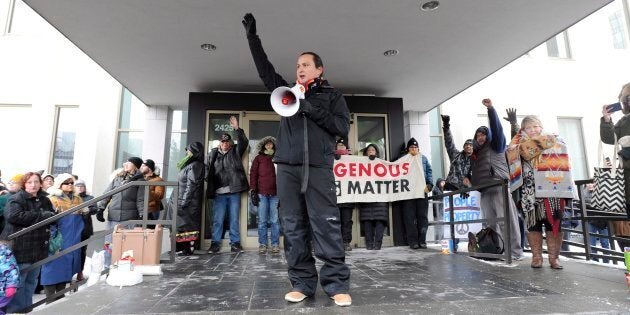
x: 208, y: 47
x: 430, y: 5
x: 390, y: 53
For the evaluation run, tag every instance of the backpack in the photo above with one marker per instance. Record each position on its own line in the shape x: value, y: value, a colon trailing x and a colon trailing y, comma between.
x: 485, y: 241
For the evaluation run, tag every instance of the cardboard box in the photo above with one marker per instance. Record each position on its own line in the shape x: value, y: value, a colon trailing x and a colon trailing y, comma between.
x: 145, y: 243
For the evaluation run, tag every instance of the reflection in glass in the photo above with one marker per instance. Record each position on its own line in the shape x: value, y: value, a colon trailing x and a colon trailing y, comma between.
x: 63, y: 154
x: 129, y: 144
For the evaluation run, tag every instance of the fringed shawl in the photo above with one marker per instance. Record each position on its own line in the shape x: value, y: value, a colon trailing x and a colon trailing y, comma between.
x: 540, y: 167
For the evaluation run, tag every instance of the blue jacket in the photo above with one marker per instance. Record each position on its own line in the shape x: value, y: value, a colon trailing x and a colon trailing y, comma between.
x: 9, y: 268
x: 63, y: 268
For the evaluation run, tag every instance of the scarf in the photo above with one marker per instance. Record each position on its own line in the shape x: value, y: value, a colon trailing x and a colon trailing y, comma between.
x: 545, y: 177
x: 183, y: 162
x: 269, y: 152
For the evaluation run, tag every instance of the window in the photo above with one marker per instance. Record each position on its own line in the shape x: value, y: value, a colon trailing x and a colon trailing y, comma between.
x: 65, y: 134
x: 618, y: 29
x: 558, y: 46
x: 572, y: 133
x: 16, y: 126
x: 6, y: 15
x: 371, y: 129
x: 130, y: 128
x: 437, y: 144
x: 177, y: 143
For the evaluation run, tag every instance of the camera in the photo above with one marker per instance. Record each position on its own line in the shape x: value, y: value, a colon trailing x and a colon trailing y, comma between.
x: 613, y: 107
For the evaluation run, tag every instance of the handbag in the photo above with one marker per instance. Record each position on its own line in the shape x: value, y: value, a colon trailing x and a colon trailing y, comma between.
x: 55, y: 242
x: 609, y: 192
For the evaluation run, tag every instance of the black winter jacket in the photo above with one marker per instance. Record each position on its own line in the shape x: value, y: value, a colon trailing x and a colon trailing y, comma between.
x: 126, y: 205
x: 329, y: 117
x: 378, y: 211
x: 88, y: 227
x: 227, y: 169
x: 24, y: 210
x: 190, y: 181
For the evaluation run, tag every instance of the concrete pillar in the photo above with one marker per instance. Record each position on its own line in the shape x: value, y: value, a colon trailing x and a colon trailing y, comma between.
x: 416, y: 125
x: 156, y: 138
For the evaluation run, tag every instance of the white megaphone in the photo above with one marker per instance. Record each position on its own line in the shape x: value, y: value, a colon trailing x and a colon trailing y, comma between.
x: 286, y: 101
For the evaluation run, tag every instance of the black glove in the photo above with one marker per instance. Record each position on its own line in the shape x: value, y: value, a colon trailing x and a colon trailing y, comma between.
x: 305, y: 108
x: 46, y: 214
x: 464, y: 195
x: 372, y: 157
x: 99, y: 215
x: 250, y: 24
x: 446, y: 121
x: 511, y: 115
x: 255, y: 198
x: 337, y: 156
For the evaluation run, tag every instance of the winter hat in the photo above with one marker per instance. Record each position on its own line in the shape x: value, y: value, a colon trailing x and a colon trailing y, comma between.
x: 468, y: 141
x: 482, y: 129
x: 411, y: 142
x: 16, y: 178
x: 135, y: 161
x: 343, y: 141
x: 150, y: 164
x: 61, y: 178
x: 80, y: 183
x: 48, y: 175
x: 226, y: 137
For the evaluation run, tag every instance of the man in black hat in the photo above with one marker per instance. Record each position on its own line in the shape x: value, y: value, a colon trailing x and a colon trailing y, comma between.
x: 226, y: 180
x: 460, y: 160
x: 489, y: 164
x: 415, y: 211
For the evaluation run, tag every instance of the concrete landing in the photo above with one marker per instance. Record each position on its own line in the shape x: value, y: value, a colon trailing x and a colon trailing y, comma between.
x: 395, y: 280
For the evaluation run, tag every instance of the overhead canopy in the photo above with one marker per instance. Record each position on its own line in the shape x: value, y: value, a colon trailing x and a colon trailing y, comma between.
x: 153, y: 46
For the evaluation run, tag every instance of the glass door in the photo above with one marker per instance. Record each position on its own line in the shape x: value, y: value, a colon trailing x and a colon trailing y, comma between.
x: 369, y: 129
x: 257, y: 125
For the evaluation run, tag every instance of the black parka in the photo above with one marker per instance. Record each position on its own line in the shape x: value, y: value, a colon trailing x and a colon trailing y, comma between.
x: 126, y: 205
x: 329, y: 117
x: 22, y: 211
x: 378, y: 211
x: 226, y: 169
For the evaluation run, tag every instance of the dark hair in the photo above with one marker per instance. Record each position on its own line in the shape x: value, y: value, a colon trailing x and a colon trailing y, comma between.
x: 28, y: 175
x: 316, y: 59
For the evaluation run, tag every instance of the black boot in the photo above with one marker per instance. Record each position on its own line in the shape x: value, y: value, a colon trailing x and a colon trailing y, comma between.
x: 377, y: 245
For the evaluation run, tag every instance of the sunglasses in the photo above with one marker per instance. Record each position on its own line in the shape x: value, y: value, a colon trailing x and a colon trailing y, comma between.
x: 67, y: 183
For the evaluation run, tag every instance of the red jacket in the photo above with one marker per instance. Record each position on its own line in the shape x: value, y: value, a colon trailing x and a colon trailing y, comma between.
x: 262, y: 175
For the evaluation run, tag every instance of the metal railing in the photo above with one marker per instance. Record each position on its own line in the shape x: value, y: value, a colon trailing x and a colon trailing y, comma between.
x: 99, y: 235
x: 507, y: 253
x: 587, y: 214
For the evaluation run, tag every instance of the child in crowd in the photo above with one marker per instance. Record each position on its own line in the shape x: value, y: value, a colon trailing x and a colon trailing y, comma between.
x: 9, y: 276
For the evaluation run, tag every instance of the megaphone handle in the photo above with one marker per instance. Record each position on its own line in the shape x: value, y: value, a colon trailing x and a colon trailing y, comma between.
x: 305, y: 165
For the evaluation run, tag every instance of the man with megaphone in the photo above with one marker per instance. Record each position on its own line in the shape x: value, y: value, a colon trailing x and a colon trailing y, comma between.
x: 305, y: 181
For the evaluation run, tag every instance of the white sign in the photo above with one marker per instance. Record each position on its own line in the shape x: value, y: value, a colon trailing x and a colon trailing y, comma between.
x: 359, y: 179
x: 464, y: 209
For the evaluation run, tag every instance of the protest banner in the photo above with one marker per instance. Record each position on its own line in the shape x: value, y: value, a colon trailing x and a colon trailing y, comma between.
x: 464, y: 209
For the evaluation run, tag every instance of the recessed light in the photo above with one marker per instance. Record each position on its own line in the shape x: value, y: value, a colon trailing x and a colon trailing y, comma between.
x: 208, y: 47
x: 430, y: 5
x: 390, y: 53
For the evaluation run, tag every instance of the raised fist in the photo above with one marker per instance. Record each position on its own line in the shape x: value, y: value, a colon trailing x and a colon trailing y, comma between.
x: 249, y: 22
x: 486, y: 102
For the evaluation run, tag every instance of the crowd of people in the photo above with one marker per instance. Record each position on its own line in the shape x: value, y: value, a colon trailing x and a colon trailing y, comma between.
x: 292, y: 186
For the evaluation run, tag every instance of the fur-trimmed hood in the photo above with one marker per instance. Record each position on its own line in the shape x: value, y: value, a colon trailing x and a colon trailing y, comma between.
x: 260, y: 146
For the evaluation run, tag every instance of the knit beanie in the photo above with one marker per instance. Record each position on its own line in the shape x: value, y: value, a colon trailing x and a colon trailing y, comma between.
x: 411, y: 142
x: 150, y: 164
x: 135, y: 161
